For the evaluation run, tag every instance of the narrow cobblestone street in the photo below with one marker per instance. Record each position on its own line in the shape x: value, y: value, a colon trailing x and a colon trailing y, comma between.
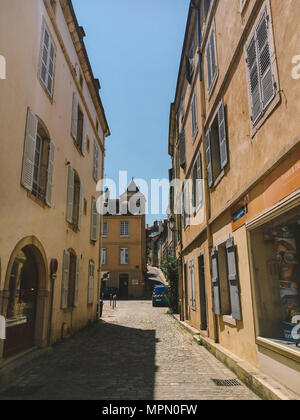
x: 137, y: 353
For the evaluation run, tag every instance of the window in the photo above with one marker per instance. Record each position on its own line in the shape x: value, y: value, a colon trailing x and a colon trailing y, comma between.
x: 197, y: 184
x: 91, y: 282
x: 186, y: 204
x: 216, y: 146
x: 38, y: 160
x: 194, y: 116
x: 190, y: 64
x: 78, y: 130
x: 181, y: 107
x: 70, y: 279
x: 211, y: 59
x: 262, y: 86
x: 192, y: 284
x: 47, y: 61
x: 96, y: 162
x: 74, y: 199
x: 124, y: 256
x: 104, y: 256
x: 124, y: 229
x: 225, y: 282
x: 181, y: 145
x: 275, y: 250
x: 105, y: 229
x: 94, y: 221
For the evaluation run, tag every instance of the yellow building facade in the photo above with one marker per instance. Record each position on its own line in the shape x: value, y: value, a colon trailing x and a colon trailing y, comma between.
x: 53, y: 129
x: 124, y: 243
x: 233, y: 123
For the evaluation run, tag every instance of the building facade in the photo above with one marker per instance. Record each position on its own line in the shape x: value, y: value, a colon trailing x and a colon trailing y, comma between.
x: 53, y: 129
x: 233, y: 124
x: 124, y: 243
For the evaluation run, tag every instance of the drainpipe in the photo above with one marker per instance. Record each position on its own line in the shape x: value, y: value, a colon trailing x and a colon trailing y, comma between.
x: 203, y: 118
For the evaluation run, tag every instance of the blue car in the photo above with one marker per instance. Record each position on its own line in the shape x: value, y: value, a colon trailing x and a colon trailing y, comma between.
x: 159, y: 295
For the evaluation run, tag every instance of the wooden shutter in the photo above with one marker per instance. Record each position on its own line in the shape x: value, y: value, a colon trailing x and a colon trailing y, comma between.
x: 233, y: 280
x: 182, y: 148
x: 199, y: 183
x: 208, y: 60
x: 215, y: 283
x: 91, y: 282
x: 194, y: 115
x: 50, y: 171
x: 95, y: 221
x: 213, y: 55
x: 222, y: 135
x: 80, y: 205
x: 70, y: 195
x: 74, y: 123
x: 65, y: 280
x: 83, y: 144
x: 254, y: 83
x: 51, y: 67
x: 192, y: 282
x: 187, y: 208
x: 210, y: 178
x: 96, y: 161
x: 264, y: 61
x: 29, y: 150
x: 76, y: 288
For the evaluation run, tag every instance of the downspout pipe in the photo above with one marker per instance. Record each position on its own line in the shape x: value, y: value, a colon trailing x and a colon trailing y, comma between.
x: 203, y: 118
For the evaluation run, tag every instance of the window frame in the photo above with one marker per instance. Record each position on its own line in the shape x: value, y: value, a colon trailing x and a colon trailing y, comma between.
x: 123, y: 229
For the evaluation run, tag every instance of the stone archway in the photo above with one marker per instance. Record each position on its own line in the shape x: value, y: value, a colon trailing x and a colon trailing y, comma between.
x: 25, y: 298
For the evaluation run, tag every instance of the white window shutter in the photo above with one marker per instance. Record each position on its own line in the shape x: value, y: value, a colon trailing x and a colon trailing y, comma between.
x: 70, y: 195
x: 50, y: 174
x: 80, y: 205
x: 96, y: 161
x: 222, y: 135
x: 29, y: 150
x: 65, y: 280
x: 83, y: 145
x: 199, y: 188
x: 264, y: 61
x: 213, y: 55
x: 215, y: 282
x: 74, y: 123
x: 95, y: 222
x: 76, y: 282
x: 208, y: 61
x: 209, y: 158
x: 254, y: 83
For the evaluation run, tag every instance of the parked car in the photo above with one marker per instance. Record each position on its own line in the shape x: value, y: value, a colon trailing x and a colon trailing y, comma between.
x: 106, y: 292
x: 159, y: 295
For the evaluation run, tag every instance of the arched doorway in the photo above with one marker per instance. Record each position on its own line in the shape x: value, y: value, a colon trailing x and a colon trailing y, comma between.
x: 25, y: 306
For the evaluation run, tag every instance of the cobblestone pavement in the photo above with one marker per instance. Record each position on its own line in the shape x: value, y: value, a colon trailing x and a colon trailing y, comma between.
x: 137, y: 353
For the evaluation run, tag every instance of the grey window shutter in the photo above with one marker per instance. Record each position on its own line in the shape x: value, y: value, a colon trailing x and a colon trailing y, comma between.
x: 50, y: 174
x: 70, y: 195
x: 96, y: 161
x: 182, y: 148
x: 213, y: 55
x: 208, y: 59
x: 187, y: 208
x: 91, y: 282
x: 65, y: 280
x: 264, y: 60
x: 215, y: 283
x: 83, y: 144
x: 233, y: 280
x: 192, y: 280
x: 223, y: 135
x: 95, y: 221
x: 80, y: 205
x: 209, y: 168
x: 254, y: 83
x: 29, y: 150
x: 74, y: 123
x: 76, y: 282
x: 199, y: 189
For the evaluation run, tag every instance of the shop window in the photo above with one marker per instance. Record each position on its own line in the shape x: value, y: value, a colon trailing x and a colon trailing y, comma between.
x: 276, y: 258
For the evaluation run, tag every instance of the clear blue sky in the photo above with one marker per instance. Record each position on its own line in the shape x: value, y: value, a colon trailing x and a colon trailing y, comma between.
x: 135, y: 47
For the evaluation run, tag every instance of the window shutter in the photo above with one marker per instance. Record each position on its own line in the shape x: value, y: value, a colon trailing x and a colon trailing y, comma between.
x: 194, y: 115
x: 209, y: 158
x: 182, y: 148
x: 80, y: 205
x: 83, y: 144
x: 76, y: 283
x: 215, y: 283
x: 29, y: 150
x: 187, y: 203
x: 208, y: 59
x: 70, y: 195
x: 264, y: 60
x: 254, y: 84
x: 126, y: 256
x: 213, y: 55
x: 233, y: 280
x: 222, y: 135
x: 192, y: 279
x: 199, y: 188
x: 95, y: 222
x: 91, y: 282
x: 188, y: 73
x: 50, y: 174
x: 65, y: 280
x: 96, y: 161
x: 74, y: 123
